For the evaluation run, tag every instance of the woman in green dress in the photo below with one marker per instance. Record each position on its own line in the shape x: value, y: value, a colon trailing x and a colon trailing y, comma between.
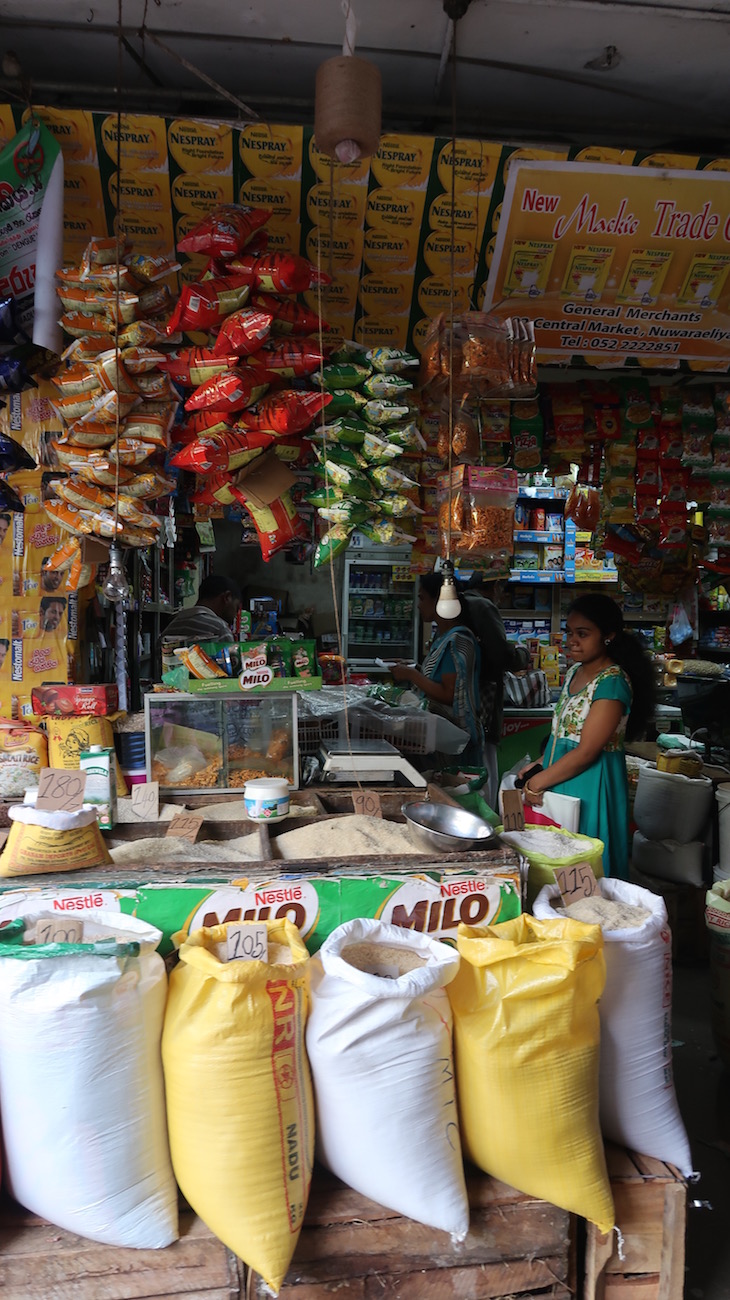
x: 607, y: 695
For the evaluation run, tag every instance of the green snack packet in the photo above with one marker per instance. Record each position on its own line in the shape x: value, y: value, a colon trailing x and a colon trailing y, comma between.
x: 380, y: 411
x: 333, y: 543
x: 390, y: 361
x: 346, y: 375
x: 385, y: 532
x: 346, y: 429
x: 304, y: 659
x: 389, y: 386
x: 346, y: 512
x: 377, y: 451
x: 408, y: 436
x: 326, y: 495
x: 396, y: 506
x: 352, y: 482
x: 346, y: 401
x: 389, y: 479
x: 339, y: 455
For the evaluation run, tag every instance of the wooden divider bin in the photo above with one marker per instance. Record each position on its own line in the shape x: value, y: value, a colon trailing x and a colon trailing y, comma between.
x: 651, y: 1210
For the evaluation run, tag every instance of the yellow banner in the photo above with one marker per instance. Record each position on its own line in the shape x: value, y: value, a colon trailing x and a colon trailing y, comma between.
x: 613, y: 262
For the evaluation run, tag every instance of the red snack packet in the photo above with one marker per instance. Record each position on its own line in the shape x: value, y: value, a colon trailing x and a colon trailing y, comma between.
x: 195, y: 366
x: 200, y: 423
x: 289, y: 317
x: 218, y: 489
x: 233, y: 391
x: 293, y: 359
x: 286, y: 412
x: 244, y: 332
x: 223, y: 452
x: 279, y: 272
x: 203, y: 305
x: 277, y: 524
x: 225, y: 231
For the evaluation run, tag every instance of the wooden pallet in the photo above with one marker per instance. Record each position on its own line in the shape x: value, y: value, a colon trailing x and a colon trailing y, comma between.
x: 651, y: 1209
x: 349, y: 1247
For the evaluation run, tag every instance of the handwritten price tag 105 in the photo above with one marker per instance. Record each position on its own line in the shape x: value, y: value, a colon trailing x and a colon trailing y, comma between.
x: 146, y: 801
x: 513, y: 813
x: 247, y: 942
x: 367, y: 803
x: 575, y: 882
x: 55, y: 931
x: 186, y: 827
x: 60, y: 791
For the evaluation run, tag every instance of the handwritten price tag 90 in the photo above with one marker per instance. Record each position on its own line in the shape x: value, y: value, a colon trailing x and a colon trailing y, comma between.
x: 247, y: 942
x: 60, y: 791
x: 575, y: 882
x: 367, y: 803
x: 56, y: 931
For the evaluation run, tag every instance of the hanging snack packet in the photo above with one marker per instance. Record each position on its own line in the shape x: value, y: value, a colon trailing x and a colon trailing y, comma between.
x: 285, y: 273
x: 293, y: 359
x: 277, y: 524
x: 149, y: 428
x: 347, y: 512
x: 344, y: 376
x: 195, y: 366
x: 346, y: 401
x: 76, y: 492
x: 222, y: 452
x: 384, y: 532
x: 326, y: 495
x: 105, y: 474
x: 139, y: 361
x: 199, y: 423
x: 352, y: 481
x: 148, y: 485
x: 336, y: 540
x: 377, y: 451
x: 389, y: 479
x: 289, y: 317
x: 244, y: 332
x: 70, y: 520
x: 391, y: 361
x: 112, y: 374
x: 133, y: 513
x: 79, y: 326
x: 409, y: 437
x: 225, y: 231
x: 289, y: 411
x: 203, y: 305
x: 396, y: 506
x: 383, y: 412
x: 233, y: 391
x: 346, y: 430
x: 148, y: 333
x: 76, y: 379
x: 390, y: 387
x: 130, y: 451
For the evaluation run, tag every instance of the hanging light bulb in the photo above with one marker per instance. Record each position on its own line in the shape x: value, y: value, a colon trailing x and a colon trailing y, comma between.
x: 448, y: 604
x: 116, y: 587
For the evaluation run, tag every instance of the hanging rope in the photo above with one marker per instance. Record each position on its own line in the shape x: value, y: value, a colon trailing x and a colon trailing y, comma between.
x: 119, y: 239
x: 452, y: 289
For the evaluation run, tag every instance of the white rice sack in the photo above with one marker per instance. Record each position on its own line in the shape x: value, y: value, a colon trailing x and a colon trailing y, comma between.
x: 672, y: 806
x: 638, y: 1104
x: 380, y: 1050
x: 81, y: 1087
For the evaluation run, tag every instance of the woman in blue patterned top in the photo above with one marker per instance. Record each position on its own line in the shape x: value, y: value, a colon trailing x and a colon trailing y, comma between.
x: 449, y: 675
x: 608, y: 695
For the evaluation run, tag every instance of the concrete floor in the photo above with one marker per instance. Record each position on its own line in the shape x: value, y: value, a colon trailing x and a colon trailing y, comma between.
x: 703, y: 1089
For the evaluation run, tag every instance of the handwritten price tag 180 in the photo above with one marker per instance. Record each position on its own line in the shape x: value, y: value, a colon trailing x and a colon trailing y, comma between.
x: 248, y: 941
x: 146, y: 801
x: 60, y: 791
x: 56, y: 931
x: 367, y: 803
x: 575, y: 882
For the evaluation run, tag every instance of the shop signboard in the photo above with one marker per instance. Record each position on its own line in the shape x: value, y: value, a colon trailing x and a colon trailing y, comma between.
x: 614, y: 262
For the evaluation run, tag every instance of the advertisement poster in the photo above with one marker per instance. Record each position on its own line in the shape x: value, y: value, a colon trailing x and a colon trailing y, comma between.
x: 616, y: 262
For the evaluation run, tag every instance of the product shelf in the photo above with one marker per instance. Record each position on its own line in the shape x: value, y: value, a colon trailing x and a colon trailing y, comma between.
x: 537, y: 575
x: 532, y: 535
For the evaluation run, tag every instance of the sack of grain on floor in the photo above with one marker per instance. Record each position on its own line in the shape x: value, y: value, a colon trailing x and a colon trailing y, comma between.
x: 239, y: 1095
x: 380, y: 1049
x: 638, y: 1104
x: 526, y: 1033
x: 81, y: 1090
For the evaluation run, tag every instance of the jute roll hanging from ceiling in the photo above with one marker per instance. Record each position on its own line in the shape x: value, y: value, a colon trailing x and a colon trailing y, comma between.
x: 347, y: 107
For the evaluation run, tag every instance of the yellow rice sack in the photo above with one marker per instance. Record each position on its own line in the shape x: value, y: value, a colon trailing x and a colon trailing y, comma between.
x: 239, y: 1096
x: 68, y: 736
x: 526, y: 1034
x: 23, y: 752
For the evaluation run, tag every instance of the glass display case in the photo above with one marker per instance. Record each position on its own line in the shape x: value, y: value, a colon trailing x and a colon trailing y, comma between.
x: 379, y: 606
x: 211, y: 745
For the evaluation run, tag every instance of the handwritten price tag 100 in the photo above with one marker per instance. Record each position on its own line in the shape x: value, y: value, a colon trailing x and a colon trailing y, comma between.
x: 60, y: 791
x: 56, y: 930
x: 247, y: 942
x: 575, y: 882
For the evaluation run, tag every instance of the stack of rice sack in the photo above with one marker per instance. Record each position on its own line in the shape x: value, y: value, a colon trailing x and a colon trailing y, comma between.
x: 369, y: 450
x: 116, y: 403
x: 257, y: 344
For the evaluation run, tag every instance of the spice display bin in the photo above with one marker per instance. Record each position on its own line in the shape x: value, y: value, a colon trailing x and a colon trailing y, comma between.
x: 206, y: 746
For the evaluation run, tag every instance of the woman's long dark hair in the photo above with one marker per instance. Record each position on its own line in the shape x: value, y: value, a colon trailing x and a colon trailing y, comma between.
x: 627, y: 651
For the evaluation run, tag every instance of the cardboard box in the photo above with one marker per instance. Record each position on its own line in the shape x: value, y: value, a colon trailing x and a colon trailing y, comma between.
x: 58, y: 701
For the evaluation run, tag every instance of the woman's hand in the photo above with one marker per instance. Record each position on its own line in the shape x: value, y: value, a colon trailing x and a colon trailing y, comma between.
x: 402, y: 672
x: 534, y: 797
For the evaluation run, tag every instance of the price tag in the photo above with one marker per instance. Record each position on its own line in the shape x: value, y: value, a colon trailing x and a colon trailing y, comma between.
x: 367, y: 802
x: 575, y: 882
x: 69, y: 930
x: 248, y: 941
x: 146, y: 801
x: 513, y: 813
x: 186, y: 826
x: 60, y: 791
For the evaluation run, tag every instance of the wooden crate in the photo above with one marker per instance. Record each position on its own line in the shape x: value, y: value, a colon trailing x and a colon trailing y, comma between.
x: 353, y: 1249
x: 349, y: 1247
x: 651, y: 1202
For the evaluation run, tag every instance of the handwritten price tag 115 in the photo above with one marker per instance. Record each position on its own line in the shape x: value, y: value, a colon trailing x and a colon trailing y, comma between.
x: 186, y: 827
x: 55, y: 931
x: 146, y: 801
x: 248, y: 941
x: 513, y: 812
x: 367, y: 803
x: 60, y: 791
x: 575, y: 882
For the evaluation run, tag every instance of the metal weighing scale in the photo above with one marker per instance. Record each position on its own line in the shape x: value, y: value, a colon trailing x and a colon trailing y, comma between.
x: 366, y: 760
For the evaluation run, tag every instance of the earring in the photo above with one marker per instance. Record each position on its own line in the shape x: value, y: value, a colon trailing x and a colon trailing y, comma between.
x: 607, y: 641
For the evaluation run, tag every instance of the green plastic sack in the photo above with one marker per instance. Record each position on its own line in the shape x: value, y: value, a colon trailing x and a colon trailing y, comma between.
x: 542, y: 865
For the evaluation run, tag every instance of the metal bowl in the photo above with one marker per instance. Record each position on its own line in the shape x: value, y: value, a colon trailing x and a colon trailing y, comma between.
x: 440, y: 826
